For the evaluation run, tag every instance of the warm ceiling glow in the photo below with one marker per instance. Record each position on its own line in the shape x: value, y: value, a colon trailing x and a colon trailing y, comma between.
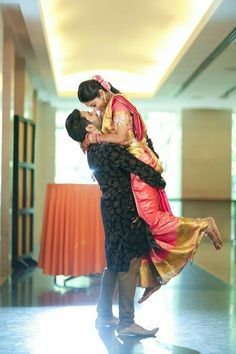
x: 136, y: 55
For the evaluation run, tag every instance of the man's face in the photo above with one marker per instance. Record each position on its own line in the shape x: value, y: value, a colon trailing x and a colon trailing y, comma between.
x: 93, y: 118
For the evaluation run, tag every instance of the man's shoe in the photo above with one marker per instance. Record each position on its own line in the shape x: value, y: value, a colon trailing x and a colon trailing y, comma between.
x: 101, y: 322
x: 136, y: 330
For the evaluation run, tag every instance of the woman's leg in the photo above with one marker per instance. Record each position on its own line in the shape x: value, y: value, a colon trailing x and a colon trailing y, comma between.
x: 177, y: 238
x: 213, y: 233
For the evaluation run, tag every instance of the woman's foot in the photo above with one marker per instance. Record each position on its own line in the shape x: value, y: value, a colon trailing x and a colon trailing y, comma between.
x: 148, y: 292
x: 213, y: 233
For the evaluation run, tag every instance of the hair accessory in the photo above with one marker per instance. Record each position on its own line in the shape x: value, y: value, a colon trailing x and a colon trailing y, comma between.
x: 104, y: 83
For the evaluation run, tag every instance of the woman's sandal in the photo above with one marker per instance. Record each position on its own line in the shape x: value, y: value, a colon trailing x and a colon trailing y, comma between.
x: 148, y: 292
x: 213, y: 233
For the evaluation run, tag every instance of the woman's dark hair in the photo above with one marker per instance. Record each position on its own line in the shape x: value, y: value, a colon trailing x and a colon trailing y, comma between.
x: 76, y: 126
x: 89, y: 89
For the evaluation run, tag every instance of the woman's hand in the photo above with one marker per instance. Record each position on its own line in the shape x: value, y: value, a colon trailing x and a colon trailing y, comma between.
x: 90, y: 138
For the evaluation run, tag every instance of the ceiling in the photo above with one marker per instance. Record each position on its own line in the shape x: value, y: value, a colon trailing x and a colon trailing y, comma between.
x: 162, y: 55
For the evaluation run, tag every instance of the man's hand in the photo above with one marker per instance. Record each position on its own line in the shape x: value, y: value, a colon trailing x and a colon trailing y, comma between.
x: 162, y: 183
x: 150, y: 145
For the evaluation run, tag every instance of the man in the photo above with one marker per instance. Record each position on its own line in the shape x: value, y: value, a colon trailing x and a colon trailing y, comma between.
x: 127, y: 237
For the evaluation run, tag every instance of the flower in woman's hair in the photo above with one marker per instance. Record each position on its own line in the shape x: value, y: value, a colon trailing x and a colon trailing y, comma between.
x: 104, y: 83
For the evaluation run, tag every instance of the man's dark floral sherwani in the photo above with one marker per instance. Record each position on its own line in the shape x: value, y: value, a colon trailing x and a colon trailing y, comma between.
x: 126, y: 234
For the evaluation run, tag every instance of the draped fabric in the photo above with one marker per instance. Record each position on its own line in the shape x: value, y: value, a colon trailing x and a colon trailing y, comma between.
x: 177, y: 249
x: 139, y: 127
x: 177, y: 238
x: 72, y: 240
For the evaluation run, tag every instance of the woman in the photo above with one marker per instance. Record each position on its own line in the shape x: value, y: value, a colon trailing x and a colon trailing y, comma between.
x: 177, y: 237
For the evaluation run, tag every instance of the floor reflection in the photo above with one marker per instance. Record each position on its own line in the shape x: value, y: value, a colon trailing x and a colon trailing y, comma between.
x: 132, y: 345
x: 195, y: 312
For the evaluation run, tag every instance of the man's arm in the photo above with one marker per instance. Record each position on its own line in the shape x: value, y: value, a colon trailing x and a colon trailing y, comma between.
x: 119, y: 155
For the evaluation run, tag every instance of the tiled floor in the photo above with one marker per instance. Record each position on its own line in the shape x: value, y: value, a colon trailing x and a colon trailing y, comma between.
x: 196, y: 312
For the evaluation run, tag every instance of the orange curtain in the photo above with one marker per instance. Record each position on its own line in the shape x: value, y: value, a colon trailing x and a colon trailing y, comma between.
x: 72, y: 233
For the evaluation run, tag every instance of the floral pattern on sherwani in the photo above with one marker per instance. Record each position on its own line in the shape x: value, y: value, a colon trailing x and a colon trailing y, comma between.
x: 126, y: 234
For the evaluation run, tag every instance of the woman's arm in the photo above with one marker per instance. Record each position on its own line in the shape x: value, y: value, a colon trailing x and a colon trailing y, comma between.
x: 121, y: 125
